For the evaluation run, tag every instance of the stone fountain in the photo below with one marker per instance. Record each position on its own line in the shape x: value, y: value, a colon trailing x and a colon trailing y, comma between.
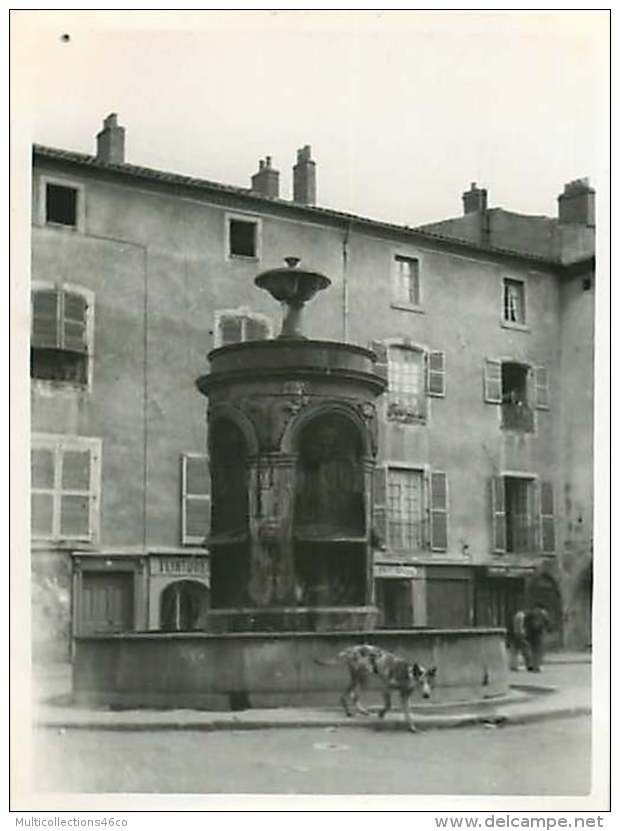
x: 292, y: 442
x: 292, y: 445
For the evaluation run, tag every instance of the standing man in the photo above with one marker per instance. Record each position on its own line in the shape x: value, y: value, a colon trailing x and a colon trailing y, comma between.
x: 518, y: 642
x: 536, y: 623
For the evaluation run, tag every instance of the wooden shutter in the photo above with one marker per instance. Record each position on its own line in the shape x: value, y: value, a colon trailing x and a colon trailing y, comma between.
x: 547, y: 518
x: 75, y: 496
x: 45, y: 319
x: 381, y: 352
x: 436, y: 374
x: 541, y: 388
x: 196, y: 499
x: 493, y: 381
x: 256, y: 329
x: 230, y: 329
x: 439, y: 511
x: 498, y: 514
x: 74, y: 322
x: 379, y: 505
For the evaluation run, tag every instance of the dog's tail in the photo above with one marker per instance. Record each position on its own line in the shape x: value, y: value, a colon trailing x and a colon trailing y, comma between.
x: 327, y: 662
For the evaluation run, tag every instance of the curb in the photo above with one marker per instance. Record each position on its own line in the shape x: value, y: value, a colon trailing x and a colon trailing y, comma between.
x: 495, y: 719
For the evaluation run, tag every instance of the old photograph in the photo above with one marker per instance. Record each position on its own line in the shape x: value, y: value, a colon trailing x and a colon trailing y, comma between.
x: 305, y: 321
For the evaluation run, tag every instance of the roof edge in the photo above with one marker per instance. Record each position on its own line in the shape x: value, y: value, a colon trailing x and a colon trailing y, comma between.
x: 317, y: 212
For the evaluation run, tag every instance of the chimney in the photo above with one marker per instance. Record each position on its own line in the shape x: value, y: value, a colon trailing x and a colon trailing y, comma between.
x: 111, y: 141
x: 576, y: 204
x: 474, y: 200
x: 267, y: 180
x: 304, y: 177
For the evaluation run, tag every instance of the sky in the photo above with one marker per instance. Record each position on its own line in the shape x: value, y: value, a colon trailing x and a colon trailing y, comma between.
x: 403, y: 110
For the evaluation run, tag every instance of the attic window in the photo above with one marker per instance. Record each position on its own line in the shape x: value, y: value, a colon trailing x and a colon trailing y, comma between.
x: 61, y: 205
x: 514, y: 302
x: 242, y: 236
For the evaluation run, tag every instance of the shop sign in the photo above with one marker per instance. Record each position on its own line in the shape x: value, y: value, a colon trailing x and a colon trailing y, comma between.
x: 509, y: 571
x: 407, y: 572
x: 176, y: 566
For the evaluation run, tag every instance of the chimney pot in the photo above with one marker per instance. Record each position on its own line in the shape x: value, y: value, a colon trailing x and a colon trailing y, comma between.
x: 474, y: 199
x: 111, y: 141
x: 576, y: 205
x: 304, y: 177
x: 267, y: 180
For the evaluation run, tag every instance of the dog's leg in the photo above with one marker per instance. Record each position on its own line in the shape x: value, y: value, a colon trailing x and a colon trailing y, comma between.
x: 346, y: 696
x: 404, y: 700
x: 387, y: 703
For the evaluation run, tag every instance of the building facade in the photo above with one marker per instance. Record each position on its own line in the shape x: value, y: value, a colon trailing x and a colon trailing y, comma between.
x: 483, y: 488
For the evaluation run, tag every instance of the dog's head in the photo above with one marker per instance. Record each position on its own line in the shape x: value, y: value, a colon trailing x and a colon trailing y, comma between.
x: 424, y: 678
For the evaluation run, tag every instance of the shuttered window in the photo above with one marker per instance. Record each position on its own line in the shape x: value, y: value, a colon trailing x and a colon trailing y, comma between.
x: 59, y: 320
x: 196, y: 499
x: 379, y: 523
x: 436, y: 373
x: 541, y: 387
x: 65, y: 484
x: 498, y: 514
x: 439, y: 511
x: 61, y: 336
x: 493, y: 381
x: 236, y: 328
x: 547, y: 518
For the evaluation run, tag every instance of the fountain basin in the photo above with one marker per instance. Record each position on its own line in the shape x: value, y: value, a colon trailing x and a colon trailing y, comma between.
x: 243, y: 670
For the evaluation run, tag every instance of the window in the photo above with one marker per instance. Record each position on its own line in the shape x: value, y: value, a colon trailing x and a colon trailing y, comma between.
x: 405, y: 509
x: 403, y: 498
x: 406, y: 388
x: 242, y: 237
x: 519, y: 389
x: 406, y: 286
x: 523, y: 520
x: 514, y: 302
x: 196, y: 499
x: 60, y: 336
x: 61, y: 205
x: 236, y: 327
x: 65, y: 488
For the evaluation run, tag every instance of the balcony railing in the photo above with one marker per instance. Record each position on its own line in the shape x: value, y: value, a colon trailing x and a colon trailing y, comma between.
x: 517, y: 417
x: 522, y: 535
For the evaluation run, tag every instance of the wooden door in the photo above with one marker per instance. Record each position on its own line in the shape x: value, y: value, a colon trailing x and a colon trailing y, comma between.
x: 106, y: 602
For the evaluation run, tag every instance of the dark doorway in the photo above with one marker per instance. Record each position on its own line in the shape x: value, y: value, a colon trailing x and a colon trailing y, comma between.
x: 394, y: 599
x: 183, y: 606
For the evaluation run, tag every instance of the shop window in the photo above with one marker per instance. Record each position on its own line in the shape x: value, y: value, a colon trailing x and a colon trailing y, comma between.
x: 61, y: 336
x: 65, y: 488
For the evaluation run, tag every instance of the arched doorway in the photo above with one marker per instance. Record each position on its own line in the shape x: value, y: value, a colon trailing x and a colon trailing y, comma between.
x: 183, y: 606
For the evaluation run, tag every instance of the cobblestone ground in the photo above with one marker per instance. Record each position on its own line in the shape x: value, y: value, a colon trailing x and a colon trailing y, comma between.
x: 543, y: 758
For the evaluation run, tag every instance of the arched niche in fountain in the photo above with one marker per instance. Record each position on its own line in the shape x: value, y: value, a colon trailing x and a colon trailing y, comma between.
x: 330, y: 477
x: 329, y: 516
x: 229, y: 478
